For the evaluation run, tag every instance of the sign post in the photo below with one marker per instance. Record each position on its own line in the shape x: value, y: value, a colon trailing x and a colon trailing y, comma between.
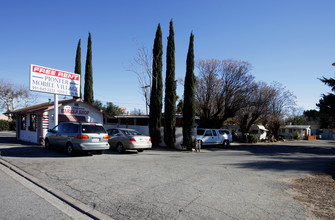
x: 56, y: 108
x: 58, y: 82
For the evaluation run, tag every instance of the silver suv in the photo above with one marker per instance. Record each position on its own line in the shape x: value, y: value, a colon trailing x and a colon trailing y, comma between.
x: 76, y: 136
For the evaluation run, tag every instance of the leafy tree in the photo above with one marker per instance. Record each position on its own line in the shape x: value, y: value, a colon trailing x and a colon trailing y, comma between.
x: 189, y: 98
x: 180, y: 107
x: 156, y: 89
x: 311, y: 116
x: 329, y: 82
x: 327, y: 111
x: 88, y: 89
x: 77, y: 68
x: 110, y: 108
x: 98, y: 104
x: 170, y: 92
x: 327, y: 105
x: 113, y: 109
x: 297, y: 120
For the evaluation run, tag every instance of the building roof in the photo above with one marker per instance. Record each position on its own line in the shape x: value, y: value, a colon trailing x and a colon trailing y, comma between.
x: 50, y: 105
x: 296, y: 126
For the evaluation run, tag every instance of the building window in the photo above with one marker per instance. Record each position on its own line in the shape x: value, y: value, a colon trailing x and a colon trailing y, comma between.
x: 23, y: 122
x: 290, y: 130
x: 32, y: 126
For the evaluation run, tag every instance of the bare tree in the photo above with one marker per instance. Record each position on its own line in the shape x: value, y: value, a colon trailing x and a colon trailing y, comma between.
x: 14, y: 95
x: 257, y: 107
x: 281, y: 106
x: 141, y: 65
x: 221, y: 89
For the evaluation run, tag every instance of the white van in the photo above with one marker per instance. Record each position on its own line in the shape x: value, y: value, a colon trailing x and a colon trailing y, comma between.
x: 208, y: 136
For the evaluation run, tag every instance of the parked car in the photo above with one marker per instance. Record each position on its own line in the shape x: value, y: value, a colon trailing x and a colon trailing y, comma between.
x: 214, y: 136
x: 76, y: 136
x: 128, y: 139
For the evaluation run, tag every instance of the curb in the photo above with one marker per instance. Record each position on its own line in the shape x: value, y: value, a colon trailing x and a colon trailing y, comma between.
x: 79, y: 206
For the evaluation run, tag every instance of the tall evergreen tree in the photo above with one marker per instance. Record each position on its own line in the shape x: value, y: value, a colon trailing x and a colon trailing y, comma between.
x: 77, y: 68
x: 189, y: 98
x: 88, y: 90
x: 170, y: 92
x: 156, y: 89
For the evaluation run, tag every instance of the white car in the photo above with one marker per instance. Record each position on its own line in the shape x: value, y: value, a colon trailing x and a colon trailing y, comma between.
x: 128, y: 139
x: 209, y: 136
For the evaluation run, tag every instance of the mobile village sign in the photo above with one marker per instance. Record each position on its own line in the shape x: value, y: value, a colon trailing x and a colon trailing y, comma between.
x: 58, y: 82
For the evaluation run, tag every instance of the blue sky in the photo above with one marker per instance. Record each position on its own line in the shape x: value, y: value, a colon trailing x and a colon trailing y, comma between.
x: 289, y: 41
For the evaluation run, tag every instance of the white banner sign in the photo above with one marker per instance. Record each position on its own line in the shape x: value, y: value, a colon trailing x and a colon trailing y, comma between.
x: 44, y: 79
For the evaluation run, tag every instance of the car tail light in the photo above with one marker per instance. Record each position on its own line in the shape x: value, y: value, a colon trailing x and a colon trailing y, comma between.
x: 105, y: 137
x: 132, y: 139
x: 150, y: 139
x: 82, y: 136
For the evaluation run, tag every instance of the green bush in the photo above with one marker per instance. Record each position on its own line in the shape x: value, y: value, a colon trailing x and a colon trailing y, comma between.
x: 296, y: 135
x: 253, y: 138
x: 4, y: 125
x: 12, y: 125
x: 7, y: 125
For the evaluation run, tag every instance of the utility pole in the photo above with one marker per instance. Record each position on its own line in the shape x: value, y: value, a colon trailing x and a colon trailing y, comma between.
x: 146, y: 98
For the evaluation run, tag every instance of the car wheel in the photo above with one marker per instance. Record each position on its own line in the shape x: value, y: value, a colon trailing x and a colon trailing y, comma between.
x: 139, y: 151
x: 225, y: 143
x: 120, y: 148
x: 69, y: 149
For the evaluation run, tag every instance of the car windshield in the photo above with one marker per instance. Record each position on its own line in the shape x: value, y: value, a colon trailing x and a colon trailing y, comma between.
x: 93, y: 129
x: 200, y: 132
x: 131, y: 132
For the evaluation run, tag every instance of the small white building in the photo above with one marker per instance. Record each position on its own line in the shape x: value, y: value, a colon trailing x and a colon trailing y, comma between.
x: 32, y: 123
x: 260, y: 131
x: 288, y: 131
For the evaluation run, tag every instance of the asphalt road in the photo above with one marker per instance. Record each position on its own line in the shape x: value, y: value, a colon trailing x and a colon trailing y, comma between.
x: 241, y: 182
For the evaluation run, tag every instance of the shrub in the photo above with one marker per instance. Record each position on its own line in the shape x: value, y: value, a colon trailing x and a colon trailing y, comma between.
x: 4, y: 125
x: 252, y: 138
x: 12, y: 125
x: 296, y: 135
x: 7, y: 125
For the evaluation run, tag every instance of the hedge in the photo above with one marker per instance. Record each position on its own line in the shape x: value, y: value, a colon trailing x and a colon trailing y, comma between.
x: 7, y: 125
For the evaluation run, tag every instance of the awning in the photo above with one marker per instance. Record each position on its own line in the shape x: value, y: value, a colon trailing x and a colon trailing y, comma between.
x: 261, y: 127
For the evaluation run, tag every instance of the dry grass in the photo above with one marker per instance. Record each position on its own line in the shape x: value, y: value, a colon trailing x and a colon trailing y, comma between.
x: 317, y: 193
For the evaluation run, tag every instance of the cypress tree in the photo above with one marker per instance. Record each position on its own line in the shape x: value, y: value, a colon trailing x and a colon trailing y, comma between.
x: 88, y: 90
x: 77, y: 68
x: 170, y: 92
x: 156, y: 89
x: 189, y: 98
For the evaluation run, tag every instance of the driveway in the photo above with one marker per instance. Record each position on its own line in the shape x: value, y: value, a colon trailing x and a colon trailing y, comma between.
x: 241, y: 182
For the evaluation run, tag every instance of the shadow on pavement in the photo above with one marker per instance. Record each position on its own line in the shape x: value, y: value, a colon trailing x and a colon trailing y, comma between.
x: 16, y: 148
x: 307, y: 156
x: 30, y: 152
